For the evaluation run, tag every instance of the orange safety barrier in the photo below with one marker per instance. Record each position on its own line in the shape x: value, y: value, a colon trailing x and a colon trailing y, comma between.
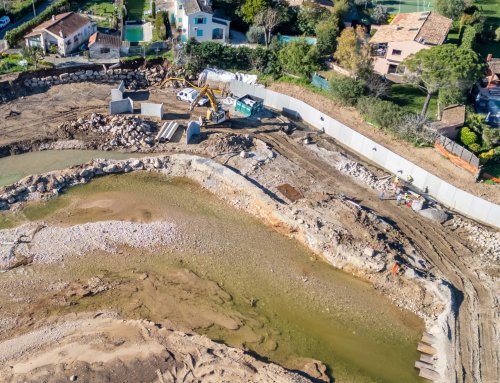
x: 455, y: 159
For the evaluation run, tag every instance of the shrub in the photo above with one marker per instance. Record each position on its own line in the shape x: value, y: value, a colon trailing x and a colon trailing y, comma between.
x: 451, y: 96
x: 384, y: 114
x: 497, y: 34
x: 346, y: 89
x: 299, y: 58
x: 475, y: 147
x: 16, y: 34
x: 467, y: 136
x: 256, y: 34
x: 468, y: 37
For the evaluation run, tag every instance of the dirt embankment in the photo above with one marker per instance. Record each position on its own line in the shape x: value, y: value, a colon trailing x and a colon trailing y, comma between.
x: 104, y: 348
x: 427, y: 158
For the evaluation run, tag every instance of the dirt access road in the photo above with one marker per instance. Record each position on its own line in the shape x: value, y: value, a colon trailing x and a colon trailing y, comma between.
x: 475, y: 330
x: 427, y: 158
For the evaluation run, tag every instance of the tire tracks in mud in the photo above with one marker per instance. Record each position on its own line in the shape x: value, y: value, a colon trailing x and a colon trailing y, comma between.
x: 473, y: 325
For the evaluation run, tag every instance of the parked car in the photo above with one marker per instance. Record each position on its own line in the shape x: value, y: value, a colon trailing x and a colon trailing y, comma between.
x: 189, y: 95
x: 4, y: 21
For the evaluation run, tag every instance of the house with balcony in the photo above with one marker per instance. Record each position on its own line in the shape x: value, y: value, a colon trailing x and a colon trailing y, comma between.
x: 408, y: 33
x: 196, y: 18
x: 64, y: 33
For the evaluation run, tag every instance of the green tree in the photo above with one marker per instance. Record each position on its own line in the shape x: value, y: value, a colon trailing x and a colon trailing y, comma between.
x: 442, y: 66
x: 450, y: 96
x: 497, y: 34
x: 299, y: 58
x: 341, y: 9
x: 327, y: 32
x: 310, y: 14
x: 346, y: 90
x: 34, y: 55
x: 353, y: 50
x: 450, y: 8
x: 468, y: 37
x: 251, y: 8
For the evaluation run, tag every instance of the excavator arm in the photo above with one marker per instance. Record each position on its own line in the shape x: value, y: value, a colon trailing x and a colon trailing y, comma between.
x: 205, y: 91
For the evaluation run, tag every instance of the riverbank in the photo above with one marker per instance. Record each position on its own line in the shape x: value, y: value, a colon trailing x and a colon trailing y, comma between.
x: 342, y: 250
x: 265, y: 292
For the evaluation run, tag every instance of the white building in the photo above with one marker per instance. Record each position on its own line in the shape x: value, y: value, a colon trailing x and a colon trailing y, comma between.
x: 65, y: 32
x: 195, y: 18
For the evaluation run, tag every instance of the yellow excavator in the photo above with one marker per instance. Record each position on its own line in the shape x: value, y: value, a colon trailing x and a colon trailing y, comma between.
x: 215, y: 114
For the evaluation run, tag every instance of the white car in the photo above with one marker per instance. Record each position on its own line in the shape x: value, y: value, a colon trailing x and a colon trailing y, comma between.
x: 4, y: 21
x: 190, y: 94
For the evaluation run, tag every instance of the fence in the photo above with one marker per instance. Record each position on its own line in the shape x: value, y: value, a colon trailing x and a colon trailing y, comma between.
x: 449, y: 195
x: 320, y: 82
x: 458, y: 150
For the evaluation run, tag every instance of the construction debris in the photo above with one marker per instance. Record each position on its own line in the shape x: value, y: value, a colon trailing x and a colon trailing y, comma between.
x: 113, y: 131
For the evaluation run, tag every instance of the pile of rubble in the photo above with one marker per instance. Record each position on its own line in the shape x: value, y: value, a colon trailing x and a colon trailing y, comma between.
x: 356, y: 170
x: 487, y: 241
x: 119, y: 131
x: 229, y: 143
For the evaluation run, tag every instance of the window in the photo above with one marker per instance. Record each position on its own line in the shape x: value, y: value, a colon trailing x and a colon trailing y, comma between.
x: 200, y: 20
x: 68, y: 42
x: 180, y: 6
x: 105, y: 50
x: 75, y: 39
x: 396, y: 52
x: 179, y: 20
x: 392, y: 68
x: 199, y: 33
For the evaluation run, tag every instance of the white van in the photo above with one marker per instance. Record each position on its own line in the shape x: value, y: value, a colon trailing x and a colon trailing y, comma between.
x: 4, y: 21
x: 189, y: 95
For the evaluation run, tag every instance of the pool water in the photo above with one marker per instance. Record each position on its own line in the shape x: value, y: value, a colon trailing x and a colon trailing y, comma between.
x: 134, y: 34
x: 287, y: 39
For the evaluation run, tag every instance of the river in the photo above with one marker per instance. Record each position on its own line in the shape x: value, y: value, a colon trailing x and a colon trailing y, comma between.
x: 254, y: 288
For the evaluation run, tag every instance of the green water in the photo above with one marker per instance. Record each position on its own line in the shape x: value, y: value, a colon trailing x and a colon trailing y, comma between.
x: 303, y: 307
x: 13, y: 168
x: 134, y: 34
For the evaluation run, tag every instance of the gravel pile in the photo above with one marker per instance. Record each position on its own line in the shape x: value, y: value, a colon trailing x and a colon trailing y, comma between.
x: 52, y: 244
x: 227, y: 143
x: 487, y: 241
x: 120, y: 131
x: 356, y: 170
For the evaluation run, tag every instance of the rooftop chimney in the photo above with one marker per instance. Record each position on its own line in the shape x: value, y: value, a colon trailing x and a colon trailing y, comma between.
x: 54, y: 17
x: 489, y: 57
x: 61, y: 34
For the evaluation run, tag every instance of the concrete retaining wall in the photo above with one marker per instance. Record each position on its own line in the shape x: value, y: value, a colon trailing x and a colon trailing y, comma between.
x: 121, y: 106
x: 193, y: 129
x: 117, y: 94
x: 447, y: 194
x: 152, y: 110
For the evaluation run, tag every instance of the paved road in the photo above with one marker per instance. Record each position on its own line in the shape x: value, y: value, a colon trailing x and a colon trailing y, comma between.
x: 29, y: 16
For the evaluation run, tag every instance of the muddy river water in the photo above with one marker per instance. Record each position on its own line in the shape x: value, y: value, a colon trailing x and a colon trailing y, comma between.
x: 230, y: 277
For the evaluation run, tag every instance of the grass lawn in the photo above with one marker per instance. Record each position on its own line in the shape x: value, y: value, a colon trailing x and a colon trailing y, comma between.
x: 104, y: 10
x: 10, y: 64
x: 412, y: 98
x: 397, y: 6
x: 136, y: 8
x: 491, y: 9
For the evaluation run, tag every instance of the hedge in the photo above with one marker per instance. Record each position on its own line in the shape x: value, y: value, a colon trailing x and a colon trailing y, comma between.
x: 16, y: 34
x: 384, y: 114
x: 467, y: 136
x: 24, y: 9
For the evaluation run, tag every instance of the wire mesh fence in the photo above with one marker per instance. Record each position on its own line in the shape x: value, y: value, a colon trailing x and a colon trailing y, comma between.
x: 458, y: 150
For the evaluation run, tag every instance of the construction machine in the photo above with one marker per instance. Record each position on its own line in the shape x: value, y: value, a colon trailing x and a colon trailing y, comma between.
x: 215, y: 114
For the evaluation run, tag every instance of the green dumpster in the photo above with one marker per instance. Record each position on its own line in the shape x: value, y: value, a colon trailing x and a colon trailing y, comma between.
x: 249, y: 105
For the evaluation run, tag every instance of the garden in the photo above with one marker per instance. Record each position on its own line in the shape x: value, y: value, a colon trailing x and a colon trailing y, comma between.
x: 104, y: 12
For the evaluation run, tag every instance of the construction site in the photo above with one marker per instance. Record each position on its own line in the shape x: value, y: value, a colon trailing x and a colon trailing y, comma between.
x: 161, y: 227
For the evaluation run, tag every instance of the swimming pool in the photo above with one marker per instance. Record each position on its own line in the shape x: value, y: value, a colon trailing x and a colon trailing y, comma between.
x: 134, y: 33
x: 286, y: 39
